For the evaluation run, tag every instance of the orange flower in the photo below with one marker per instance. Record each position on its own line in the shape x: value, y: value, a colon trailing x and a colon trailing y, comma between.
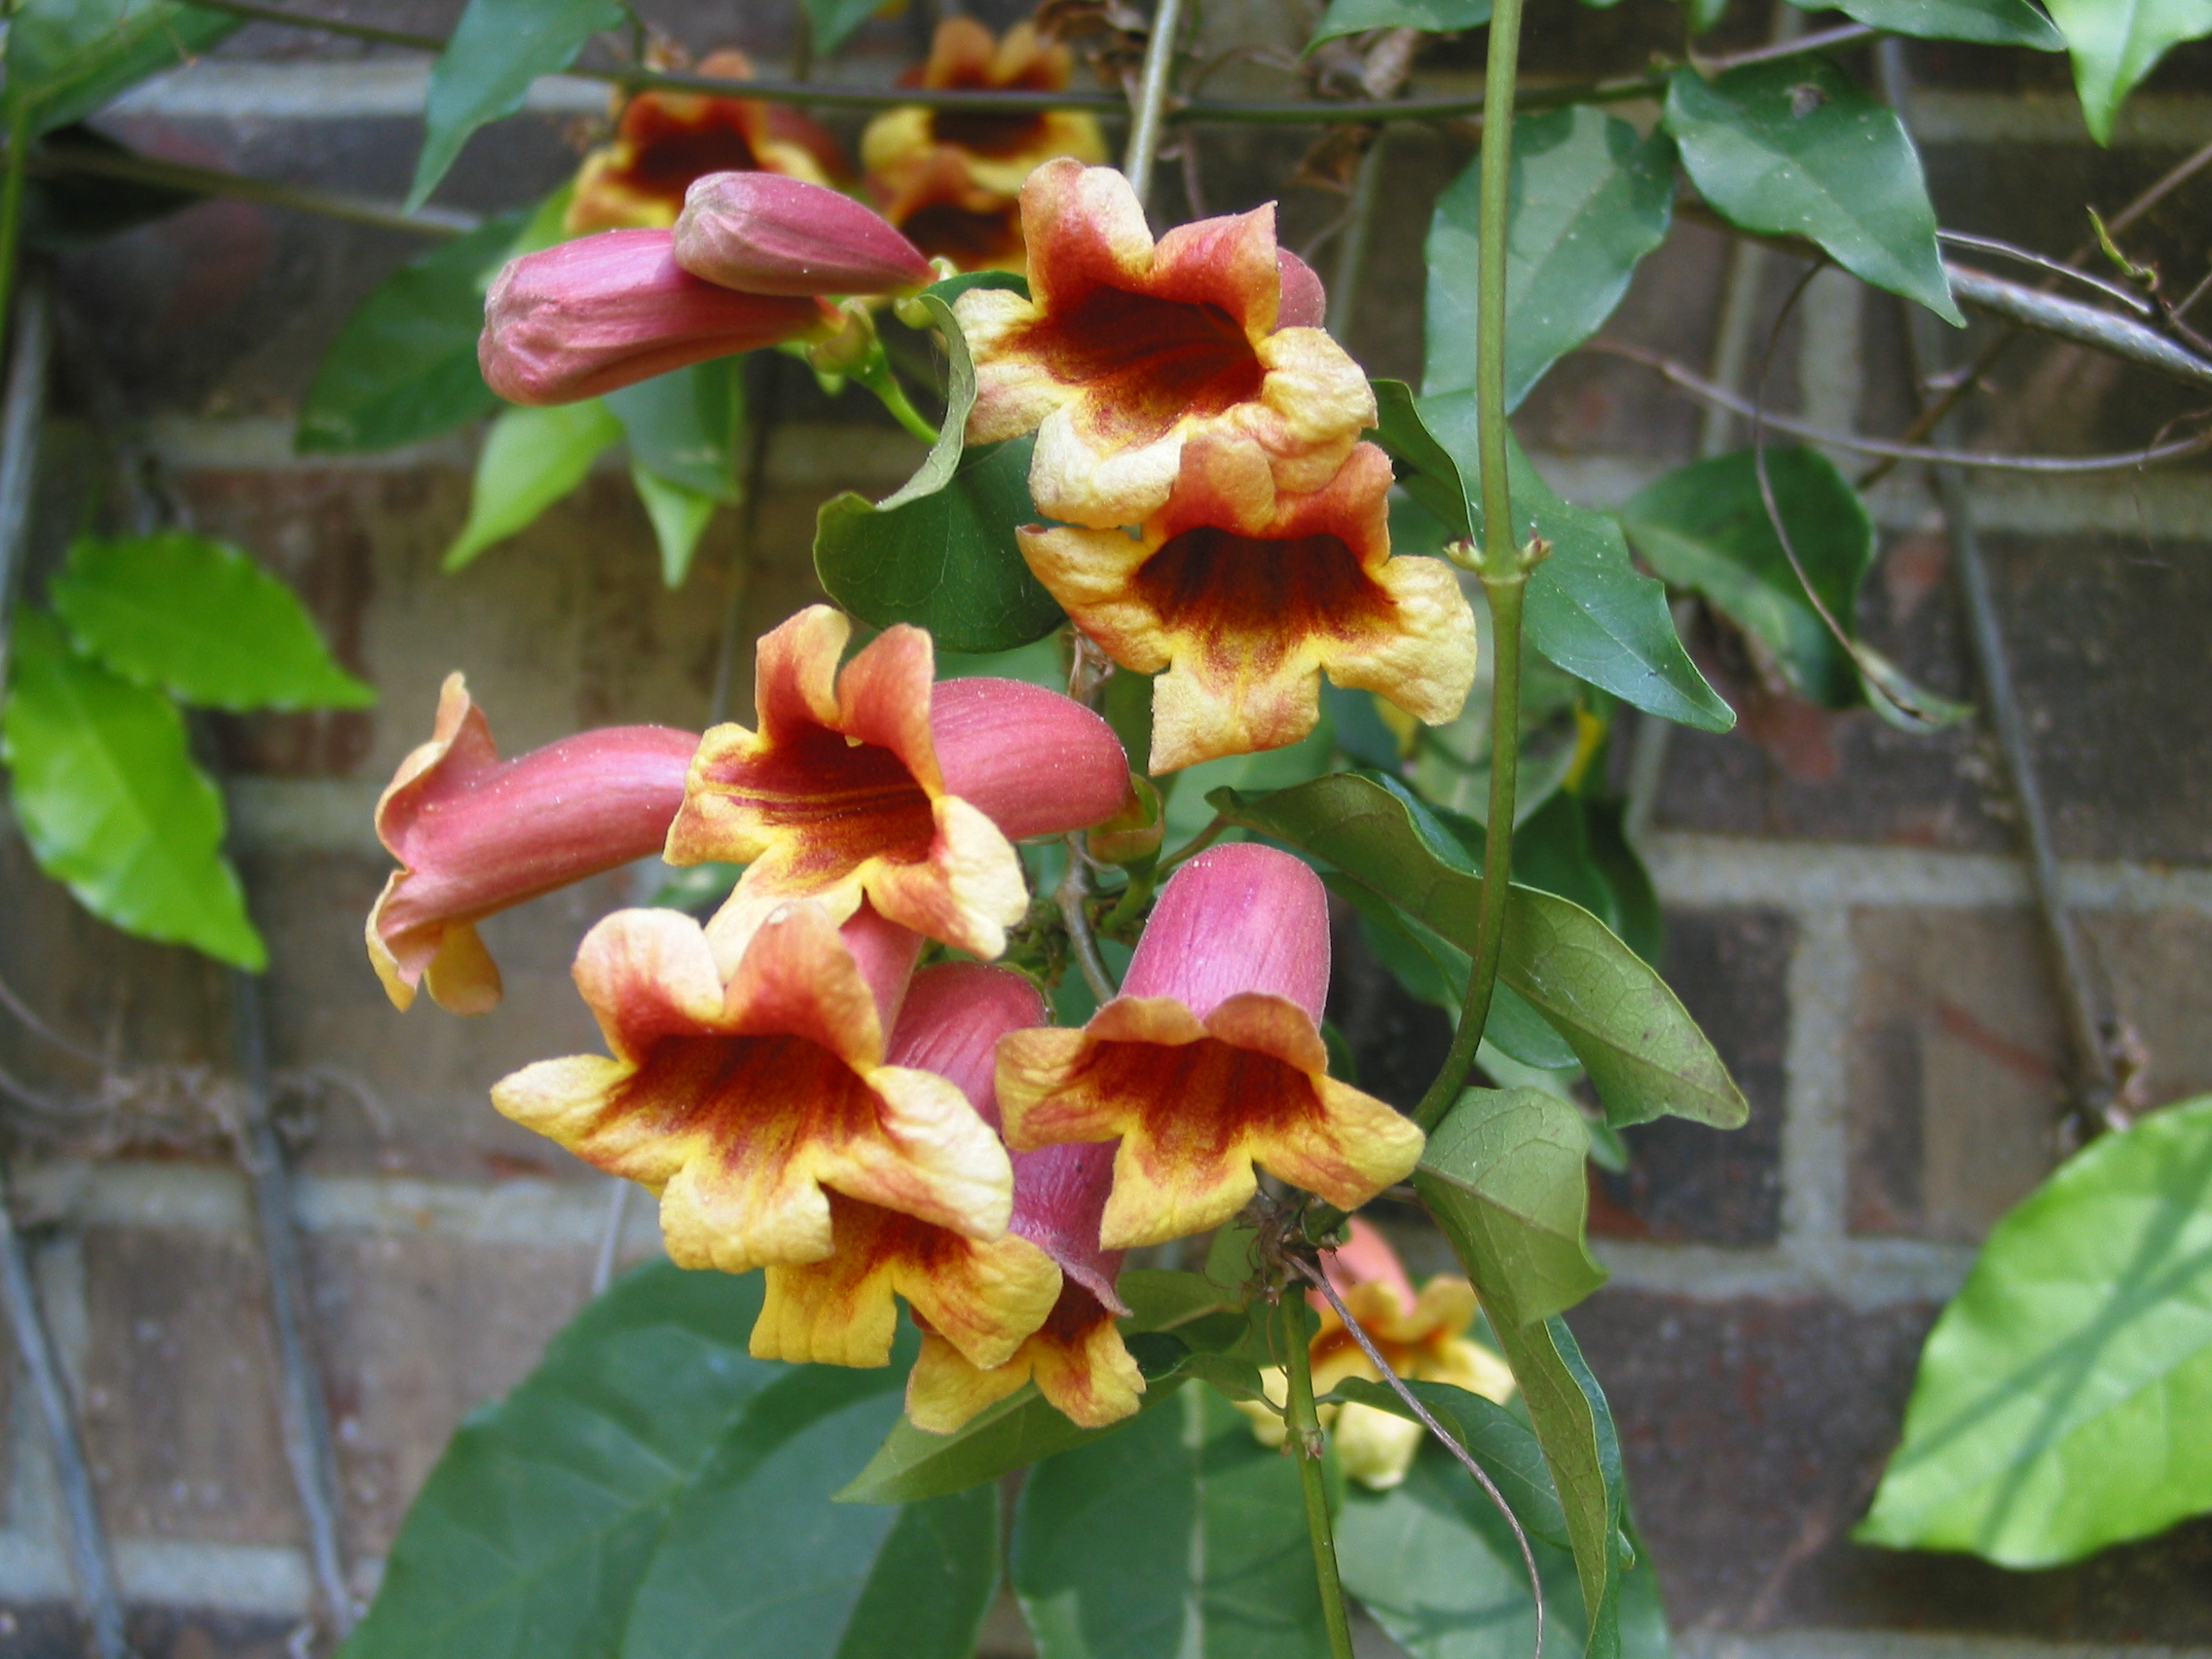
x: 1244, y: 597
x: 875, y: 783
x: 1210, y: 1060
x: 475, y: 834
x: 664, y: 141
x: 741, y: 1102
x: 951, y: 179
x: 1127, y: 349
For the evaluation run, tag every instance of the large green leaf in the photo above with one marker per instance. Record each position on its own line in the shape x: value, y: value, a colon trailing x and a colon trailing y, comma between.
x: 1508, y: 1166
x: 1431, y: 16
x: 531, y: 458
x: 1994, y: 22
x: 2115, y: 43
x: 685, y: 424
x: 1644, y: 1054
x: 1182, y: 1535
x: 201, y: 620
x: 680, y: 516
x: 496, y: 49
x: 67, y: 57
x: 1588, y: 609
x: 1506, y: 1448
x: 106, y: 794
x: 834, y: 19
x: 1796, y: 148
x: 2063, y: 1395
x: 1589, y: 199
x: 403, y: 368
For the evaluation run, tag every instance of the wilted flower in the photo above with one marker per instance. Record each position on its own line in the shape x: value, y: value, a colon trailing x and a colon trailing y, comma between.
x: 1210, y: 1060
x: 1127, y: 349
x: 1244, y: 596
x: 951, y: 179
x: 475, y: 834
x: 876, y: 783
x: 663, y: 140
x: 767, y: 235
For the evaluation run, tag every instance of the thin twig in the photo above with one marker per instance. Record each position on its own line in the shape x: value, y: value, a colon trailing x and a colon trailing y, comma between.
x: 2065, y: 273
x: 28, y: 1018
x: 67, y: 159
x: 1796, y: 46
x: 1070, y: 895
x: 1151, y: 102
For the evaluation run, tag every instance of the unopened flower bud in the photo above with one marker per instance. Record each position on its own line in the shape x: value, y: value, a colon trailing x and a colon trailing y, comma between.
x: 1133, y: 833
x: 761, y: 233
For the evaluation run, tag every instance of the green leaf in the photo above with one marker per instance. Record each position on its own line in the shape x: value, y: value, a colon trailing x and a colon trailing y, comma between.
x: 680, y: 517
x: 1506, y: 1448
x: 1796, y: 148
x: 1506, y: 1166
x: 943, y: 460
x: 685, y: 424
x: 1588, y: 609
x: 1185, y: 1536
x: 2115, y: 43
x: 2062, y: 1395
x: 403, y: 368
x: 531, y: 458
x: 1993, y: 22
x: 1589, y: 198
x: 67, y: 57
x: 1431, y: 16
x: 106, y: 794
x: 496, y: 49
x: 832, y: 20
x: 201, y: 620
x: 1644, y: 1054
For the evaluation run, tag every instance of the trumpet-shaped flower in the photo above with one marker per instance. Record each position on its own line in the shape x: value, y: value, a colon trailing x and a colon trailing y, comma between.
x: 664, y: 141
x: 876, y: 783
x: 1127, y: 349
x: 745, y: 1100
x: 1245, y: 596
x: 602, y: 313
x: 767, y: 234
x: 951, y: 179
x: 1210, y: 1060
x: 954, y: 1017
x: 475, y: 834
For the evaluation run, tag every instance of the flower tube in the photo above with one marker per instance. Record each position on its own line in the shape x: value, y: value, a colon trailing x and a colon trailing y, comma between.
x: 762, y: 234
x: 1210, y: 1060
x: 878, y: 783
x: 746, y: 1102
x: 1128, y: 348
x: 475, y: 834
x: 1245, y: 597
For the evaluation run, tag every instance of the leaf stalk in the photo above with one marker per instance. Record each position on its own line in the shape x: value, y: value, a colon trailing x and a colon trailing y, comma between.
x: 1304, y: 1423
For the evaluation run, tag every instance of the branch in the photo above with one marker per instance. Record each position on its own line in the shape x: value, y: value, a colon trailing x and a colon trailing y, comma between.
x: 54, y: 159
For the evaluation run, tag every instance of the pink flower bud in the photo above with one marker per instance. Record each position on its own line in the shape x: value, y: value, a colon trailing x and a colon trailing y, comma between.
x: 761, y: 233
x: 1031, y: 761
x: 1305, y: 301
x: 1237, y: 918
x: 605, y: 311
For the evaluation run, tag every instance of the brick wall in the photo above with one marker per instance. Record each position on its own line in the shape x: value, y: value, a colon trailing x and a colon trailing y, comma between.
x: 1847, y: 916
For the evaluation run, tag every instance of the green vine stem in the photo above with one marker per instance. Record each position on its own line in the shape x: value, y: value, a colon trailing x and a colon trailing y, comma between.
x: 12, y: 196
x: 1304, y: 1444
x: 1151, y: 102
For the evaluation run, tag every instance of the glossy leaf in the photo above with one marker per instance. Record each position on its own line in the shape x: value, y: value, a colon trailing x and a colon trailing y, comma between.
x: 680, y: 517
x: 1993, y: 22
x: 1504, y: 1445
x: 2062, y: 1395
x: 832, y: 20
x: 2115, y: 43
x: 106, y: 794
x: 686, y: 425
x: 1431, y: 16
x: 531, y: 458
x: 1506, y: 1166
x: 1183, y: 1535
x: 67, y: 57
x: 1796, y: 148
x: 1644, y: 1054
x: 943, y: 460
x: 201, y: 620
x: 1589, y: 199
x: 403, y: 368
x: 496, y: 49
x: 1588, y: 609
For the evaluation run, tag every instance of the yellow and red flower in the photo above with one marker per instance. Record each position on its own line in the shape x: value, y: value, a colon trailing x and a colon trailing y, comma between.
x: 1128, y: 348
x: 1244, y: 596
x: 877, y: 783
x: 664, y: 141
x: 475, y: 834
x: 951, y: 179
x: 1210, y: 1060
x: 745, y: 1100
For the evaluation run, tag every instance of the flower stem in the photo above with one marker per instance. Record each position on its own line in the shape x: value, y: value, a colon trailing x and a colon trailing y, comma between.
x: 1304, y: 1444
x: 877, y: 375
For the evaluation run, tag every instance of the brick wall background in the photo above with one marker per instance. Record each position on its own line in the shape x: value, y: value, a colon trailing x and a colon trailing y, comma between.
x: 1847, y: 913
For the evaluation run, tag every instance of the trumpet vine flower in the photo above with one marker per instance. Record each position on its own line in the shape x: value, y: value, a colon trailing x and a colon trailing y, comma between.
x: 1127, y: 348
x: 475, y: 834
x: 876, y: 783
x: 1245, y: 596
x: 762, y: 234
x: 1210, y: 1060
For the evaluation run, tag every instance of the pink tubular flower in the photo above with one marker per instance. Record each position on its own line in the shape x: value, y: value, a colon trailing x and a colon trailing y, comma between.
x: 954, y: 1017
x: 1210, y: 1060
x: 605, y: 311
x: 761, y: 233
x: 475, y: 834
x: 876, y: 781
